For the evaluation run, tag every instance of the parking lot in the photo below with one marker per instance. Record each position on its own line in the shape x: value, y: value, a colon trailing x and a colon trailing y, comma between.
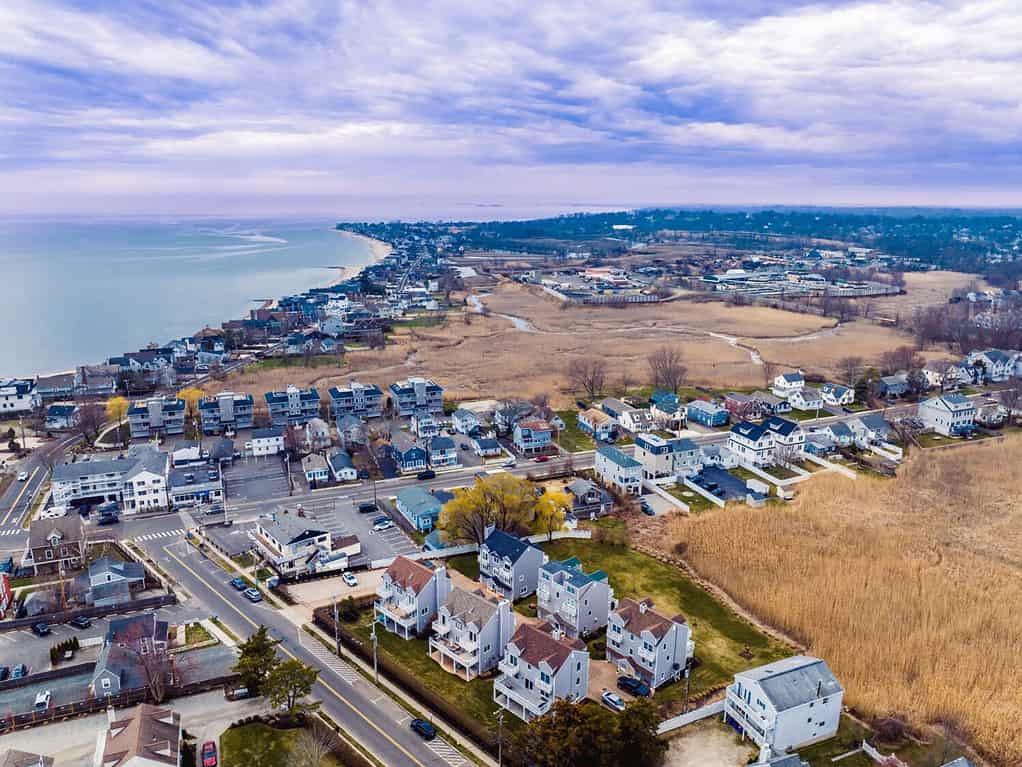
x: 341, y: 517
x: 254, y: 478
x: 731, y: 488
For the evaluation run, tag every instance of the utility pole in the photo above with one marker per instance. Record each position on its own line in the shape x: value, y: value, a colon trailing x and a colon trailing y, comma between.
x: 500, y: 737
x: 376, y: 668
x: 684, y: 708
x: 337, y: 638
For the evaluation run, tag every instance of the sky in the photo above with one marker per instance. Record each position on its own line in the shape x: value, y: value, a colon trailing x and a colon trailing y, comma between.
x: 493, y: 109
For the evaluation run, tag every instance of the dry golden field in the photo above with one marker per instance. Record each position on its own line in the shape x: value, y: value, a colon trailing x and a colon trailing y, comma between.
x: 924, y: 289
x: 910, y: 588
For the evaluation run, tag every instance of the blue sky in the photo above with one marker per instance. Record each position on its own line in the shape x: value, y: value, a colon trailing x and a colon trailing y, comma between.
x: 432, y: 108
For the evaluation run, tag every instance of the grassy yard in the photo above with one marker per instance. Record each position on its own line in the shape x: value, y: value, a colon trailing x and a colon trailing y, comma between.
x: 315, y: 361
x: 572, y: 438
x: 243, y: 560
x: 257, y: 745
x: 781, y: 472
x: 932, y: 439
x: 805, y: 415
x: 475, y: 698
x: 721, y: 637
x: 850, y: 734
x: 696, y: 502
x: 466, y: 564
x: 195, y: 633
x: 743, y: 474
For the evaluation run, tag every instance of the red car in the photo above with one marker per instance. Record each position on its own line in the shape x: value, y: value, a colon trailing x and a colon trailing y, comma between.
x: 543, y: 459
x: 209, y: 754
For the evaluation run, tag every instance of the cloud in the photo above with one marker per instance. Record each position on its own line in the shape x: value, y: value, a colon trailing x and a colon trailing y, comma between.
x: 300, y: 97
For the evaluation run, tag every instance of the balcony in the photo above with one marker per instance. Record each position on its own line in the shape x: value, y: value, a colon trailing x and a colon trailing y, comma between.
x: 441, y: 629
x: 457, y: 659
x: 525, y: 704
x: 401, y: 613
x: 506, y: 668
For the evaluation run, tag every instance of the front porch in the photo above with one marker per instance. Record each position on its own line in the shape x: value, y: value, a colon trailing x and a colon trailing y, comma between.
x: 461, y: 661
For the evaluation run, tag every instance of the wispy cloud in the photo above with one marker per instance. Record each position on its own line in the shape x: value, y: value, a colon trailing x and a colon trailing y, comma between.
x: 235, y: 104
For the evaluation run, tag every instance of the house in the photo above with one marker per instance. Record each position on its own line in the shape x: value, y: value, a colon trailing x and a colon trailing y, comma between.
x: 618, y: 471
x: 226, y: 411
x: 992, y: 365
x: 787, y: 434
x: 63, y: 416
x: 508, y: 414
x: 540, y: 665
x: 357, y: 399
x: 486, y: 447
x: 294, y: 548
x: 990, y: 414
x: 57, y: 386
x: 743, y: 407
x: 424, y: 425
x: 416, y: 393
x: 839, y: 433
x: 893, y: 386
x: 268, y: 441
x: 342, y: 468
x: 137, y: 481
x: 465, y: 421
x: 948, y: 414
x: 706, y: 413
x: 156, y: 415
x: 532, y: 435
x: 771, y: 404
x: 145, y: 736
x: 13, y: 757
x: 195, y: 485
x: 55, y: 545
x: 316, y: 469
x: 646, y: 644
x: 662, y: 457
x: 142, y: 632
x: 717, y: 455
x: 588, y: 499
x: 806, y: 398
x: 509, y: 565
x: 19, y: 395
x: 351, y: 431
x: 786, y: 704
x: 443, y: 453
x: 786, y: 383
x: 837, y: 395
x: 614, y: 407
x: 572, y: 600
x: 96, y: 381
x: 408, y: 454
x: 667, y: 410
x: 420, y: 507
x: 293, y: 406
x: 597, y: 424
x: 752, y: 443
x: 470, y: 633
x: 110, y: 582
x: 317, y: 435
x: 409, y: 596
x: 637, y: 420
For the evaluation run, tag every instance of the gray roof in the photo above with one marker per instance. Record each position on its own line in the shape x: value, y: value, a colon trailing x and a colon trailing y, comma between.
x: 875, y: 422
x: 617, y: 457
x: 129, y: 570
x: 120, y: 591
x: 273, y: 431
x: 506, y: 545
x: 402, y: 441
x: 71, y: 471
x: 347, y: 421
x: 794, y: 681
x: 441, y: 443
x: 470, y: 607
x: 840, y: 429
x: 289, y: 529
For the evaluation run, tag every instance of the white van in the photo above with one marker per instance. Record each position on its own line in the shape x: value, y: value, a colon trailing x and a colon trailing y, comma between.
x: 54, y: 512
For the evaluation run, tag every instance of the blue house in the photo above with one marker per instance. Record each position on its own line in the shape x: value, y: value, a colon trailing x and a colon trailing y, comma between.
x: 533, y: 435
x: 420, y: 507
x: 706, y: 413
x: 409, y: 455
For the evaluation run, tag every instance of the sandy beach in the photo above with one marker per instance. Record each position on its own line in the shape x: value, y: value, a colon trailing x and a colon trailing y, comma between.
x: 378, y: 250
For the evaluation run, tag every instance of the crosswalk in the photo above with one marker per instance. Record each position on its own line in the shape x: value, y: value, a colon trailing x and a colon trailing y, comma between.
x: 331, y: 661
x: 11, y: 531
x: 446, y: 751
x: 162, y: 534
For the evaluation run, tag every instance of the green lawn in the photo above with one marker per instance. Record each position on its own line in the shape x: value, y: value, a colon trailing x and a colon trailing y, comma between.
x: 932, y: 439
x: 475, y: 698
x: 696, y: 502
x: 466, y: 564
x: 805, y: 415
x: 781, y: 472
x: 720, y: 636
x: 243, y: 560
x: 743, y: 474
x: 195, y: 633
x: 297, y: 361
x: 572, y: 438
x: 850, y: 734
x: 257, y: 745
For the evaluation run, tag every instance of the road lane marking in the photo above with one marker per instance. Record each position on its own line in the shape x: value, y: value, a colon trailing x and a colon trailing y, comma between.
x: 286, y: 651
x: 17, y: 500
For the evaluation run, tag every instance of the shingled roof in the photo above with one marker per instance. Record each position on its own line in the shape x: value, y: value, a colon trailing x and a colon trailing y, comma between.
x: 536, y: 644
x: 640, y: 616
x: 148, y: 732
x: 409, y: 574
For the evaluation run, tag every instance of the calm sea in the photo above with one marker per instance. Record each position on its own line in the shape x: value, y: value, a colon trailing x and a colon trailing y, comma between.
x: 77, y: 292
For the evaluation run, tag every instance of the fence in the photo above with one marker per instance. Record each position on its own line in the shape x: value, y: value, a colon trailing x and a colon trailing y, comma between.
x: 661, y: 493
x: 45, y: 676
x: 677, y: 722
x: 879, y: 758
x: 90, y: 612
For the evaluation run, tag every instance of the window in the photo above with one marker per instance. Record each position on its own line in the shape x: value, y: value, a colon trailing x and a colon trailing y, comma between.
x: 544, y: 677
x: 106, y: 683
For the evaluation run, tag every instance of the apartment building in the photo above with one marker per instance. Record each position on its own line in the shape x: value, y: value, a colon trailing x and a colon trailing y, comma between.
x: 416, y: 393
x: 617, y: 470
x: 137, y: 481
x: 509, y: 565
x: 226, y: 411
x: 574, y: 601
x: 156, y: 415
x: 293, y: 406
x: 358, y: 399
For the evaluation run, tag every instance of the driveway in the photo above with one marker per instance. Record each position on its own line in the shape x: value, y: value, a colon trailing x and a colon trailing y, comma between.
x: 732, y: 487
x: 709, y: 742
x: 659, y: 505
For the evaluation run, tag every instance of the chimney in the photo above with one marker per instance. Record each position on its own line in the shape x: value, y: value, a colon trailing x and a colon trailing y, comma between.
x: 644, y: 605
x: 556, y: 633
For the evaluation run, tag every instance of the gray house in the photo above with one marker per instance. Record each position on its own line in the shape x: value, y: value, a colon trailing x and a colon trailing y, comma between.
x: 416, y: 393
x: 225, y: 411
x: 509, y: 566
x: 647, y: 644
x: 540, y: 665
x: 110, y: 582
x: 364, y: 401
x: 572, y: 600
x: 588, y: 498
x: 470, y: 632
x: 157, y: 415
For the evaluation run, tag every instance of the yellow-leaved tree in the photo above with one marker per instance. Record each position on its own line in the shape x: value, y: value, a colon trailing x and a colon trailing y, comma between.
x: 502, y: 500
x: 550, y: 510
x: 116, y: 409
x: 191, y: 395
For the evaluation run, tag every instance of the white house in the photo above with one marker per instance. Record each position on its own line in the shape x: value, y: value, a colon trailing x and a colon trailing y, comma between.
x: 470, y: 633
x: 465, y: 421
x: 660, y: 457
x: 315, y: 468
x: 644, y: 643
x: 341, y: 466
x: 837, y: 395
x: 409, y: 596
x: 785, y: 705
x: 618, y: 470
x: 949, y: 414
x: 995, y: 365
x: 806, y: 398
x: 637, y: 420
x: 786, y: 383
x: 317, y: 434
x: 62, y: 416
x: 752, y: 443
x: 293, y: 548
x: 19, y: 395
x: 268, y: 441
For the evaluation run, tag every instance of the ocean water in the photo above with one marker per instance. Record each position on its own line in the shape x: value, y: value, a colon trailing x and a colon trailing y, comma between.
x: 80, y: 291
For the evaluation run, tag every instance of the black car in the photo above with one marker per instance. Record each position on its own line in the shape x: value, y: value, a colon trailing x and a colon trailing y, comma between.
x: 423, y: 729
x: 367, y: 507
x: 4, y: 673
x: 80, y: 622
x: 633, y: 686
x: 41, y: 629
x: 427, y: 474
x: 107, y: 519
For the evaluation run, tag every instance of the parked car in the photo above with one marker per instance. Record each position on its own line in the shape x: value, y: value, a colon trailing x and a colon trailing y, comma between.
x: 542, y: 458
x: 41, y: 629
x: 42, y: 701
x: 239, y: 584
x: 208, y: 754
x: 237, y: 693
x: 80, y: 622
x: 510, y: 463
x: 647, y: 509
x: 367, y: 507
x: 22, y: 476
x: 423, y: 729
x: 4, y: 673
x: 20, y: 671
x: 349, y: 578
x: 633, y: 686
x: 107, y: 519
x: 613, y: 700
x: 253, y: 595
x: 382, y: 523
x: 427, y: 474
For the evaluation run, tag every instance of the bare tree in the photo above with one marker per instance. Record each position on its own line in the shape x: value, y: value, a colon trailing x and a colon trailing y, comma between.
x: 91, y: 416
x: 1011, y: 397
x: 588, y: 374
x: 942, y: 368
x: 901, y: 358
x: 850, y: 368
x: 311, y: 747
x: 787, y: 455
x: 667, y: 368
